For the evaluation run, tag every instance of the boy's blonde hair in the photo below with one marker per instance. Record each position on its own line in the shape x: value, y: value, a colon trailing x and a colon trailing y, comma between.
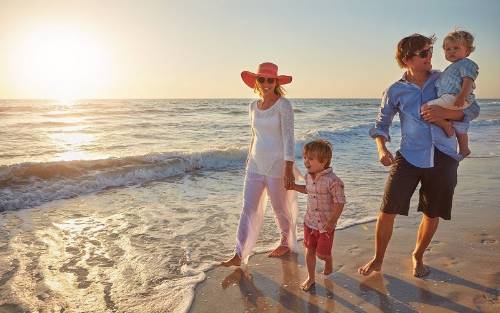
x: 321, y: 149
x: 461, y: 36
x: 278, y: 89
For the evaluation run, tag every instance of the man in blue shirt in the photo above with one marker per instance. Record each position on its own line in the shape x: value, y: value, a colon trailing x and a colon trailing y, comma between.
x: 426, y: 156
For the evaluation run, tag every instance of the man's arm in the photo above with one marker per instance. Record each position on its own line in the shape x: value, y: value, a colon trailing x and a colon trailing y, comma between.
x: 433, y: 113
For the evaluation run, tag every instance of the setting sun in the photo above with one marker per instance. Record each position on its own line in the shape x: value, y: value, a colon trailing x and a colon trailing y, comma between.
x: 59, y: 63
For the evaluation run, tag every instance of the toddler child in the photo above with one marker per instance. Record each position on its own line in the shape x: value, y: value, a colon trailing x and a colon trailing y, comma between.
x: 456, y: 83
x: 325, y: 202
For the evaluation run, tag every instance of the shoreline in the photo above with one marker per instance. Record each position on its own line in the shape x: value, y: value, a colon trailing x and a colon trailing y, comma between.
x: 462, y: 257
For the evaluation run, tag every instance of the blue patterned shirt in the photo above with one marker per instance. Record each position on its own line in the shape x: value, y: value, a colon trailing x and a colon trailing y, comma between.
x: 451, y: 79
x: 418, y: 137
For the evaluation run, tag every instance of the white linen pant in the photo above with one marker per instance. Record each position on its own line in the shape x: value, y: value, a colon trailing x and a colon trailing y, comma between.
x: 256, y: 190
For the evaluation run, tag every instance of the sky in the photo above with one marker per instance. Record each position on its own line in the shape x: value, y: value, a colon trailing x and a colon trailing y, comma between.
x: 197, y: 49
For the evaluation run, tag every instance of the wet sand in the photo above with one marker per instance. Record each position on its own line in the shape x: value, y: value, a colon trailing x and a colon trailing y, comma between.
x: 463, y: 259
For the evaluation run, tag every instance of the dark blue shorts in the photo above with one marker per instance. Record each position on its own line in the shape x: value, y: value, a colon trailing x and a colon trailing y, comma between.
x: 437, y: 185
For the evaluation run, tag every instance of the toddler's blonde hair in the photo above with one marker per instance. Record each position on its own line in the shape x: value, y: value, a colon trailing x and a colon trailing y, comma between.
x: 461, y: 36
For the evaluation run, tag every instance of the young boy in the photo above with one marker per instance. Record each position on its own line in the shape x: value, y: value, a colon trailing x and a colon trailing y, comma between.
x: 456, y: 83
x: 325, y: 203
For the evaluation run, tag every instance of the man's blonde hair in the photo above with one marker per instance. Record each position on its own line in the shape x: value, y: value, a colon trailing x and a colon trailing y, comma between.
x: 461, y: 36
x: 321, y: 149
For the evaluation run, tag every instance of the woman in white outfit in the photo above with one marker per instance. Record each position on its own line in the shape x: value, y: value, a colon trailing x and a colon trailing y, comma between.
x: 270, y: 165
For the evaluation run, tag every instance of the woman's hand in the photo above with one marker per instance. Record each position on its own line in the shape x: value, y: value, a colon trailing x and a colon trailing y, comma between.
x: 289, y: 178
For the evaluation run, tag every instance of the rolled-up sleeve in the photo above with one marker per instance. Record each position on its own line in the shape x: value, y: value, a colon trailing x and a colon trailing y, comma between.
x: 469, y: 69
x: 287, y: 130
x: 471, y: 112
x: 385, y: 116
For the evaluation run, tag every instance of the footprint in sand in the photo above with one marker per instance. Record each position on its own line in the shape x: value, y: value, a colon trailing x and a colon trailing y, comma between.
x: 488, y: 241
x: 353, y: 250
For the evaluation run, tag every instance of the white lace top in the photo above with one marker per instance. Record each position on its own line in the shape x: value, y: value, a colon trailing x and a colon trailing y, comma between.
x: 272, y: 138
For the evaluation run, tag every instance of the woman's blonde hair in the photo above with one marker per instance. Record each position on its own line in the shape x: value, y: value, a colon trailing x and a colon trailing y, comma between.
x: 461, y: 36
x: 278, y: 89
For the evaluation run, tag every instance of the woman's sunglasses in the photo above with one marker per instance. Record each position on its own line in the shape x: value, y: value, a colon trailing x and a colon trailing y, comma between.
x: 263, y: 79
x: 424, y: 53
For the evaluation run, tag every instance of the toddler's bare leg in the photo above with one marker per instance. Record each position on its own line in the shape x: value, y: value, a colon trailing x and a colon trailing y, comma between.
x: 311, y: 269
x: 463, y: 144
x: 447, y: 127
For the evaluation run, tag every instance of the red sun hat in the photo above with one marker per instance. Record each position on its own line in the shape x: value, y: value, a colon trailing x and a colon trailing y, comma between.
x: 268, y: 70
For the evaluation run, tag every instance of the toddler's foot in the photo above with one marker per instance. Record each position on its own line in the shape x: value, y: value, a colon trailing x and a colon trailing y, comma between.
x: 371, y: 266
x: 234, y: 261
x: 448, y: 129
x: 328, y: 267
x: 307, y: 284
x: 465, y: 152
x: 278, y: 252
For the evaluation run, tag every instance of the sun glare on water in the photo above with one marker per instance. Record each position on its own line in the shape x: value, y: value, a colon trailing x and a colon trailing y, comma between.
x: 60, y: 63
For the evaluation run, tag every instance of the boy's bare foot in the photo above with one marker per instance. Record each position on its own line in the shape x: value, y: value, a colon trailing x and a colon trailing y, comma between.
x: 307, y: 284
x: 419, y: 269
x: 328, y: 267
x: 371, y: 266
x: 278, y: 252
x: 234, y: 261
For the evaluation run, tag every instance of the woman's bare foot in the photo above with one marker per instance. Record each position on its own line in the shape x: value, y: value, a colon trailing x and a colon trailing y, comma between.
x: 307, y: 284
x: 278, y: 252
x: 234, y: 261
x: 419, y: 269
x: 328, y: 267
x: 373, y: 265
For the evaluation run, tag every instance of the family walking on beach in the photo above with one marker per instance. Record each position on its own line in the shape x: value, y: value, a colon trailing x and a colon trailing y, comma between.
x: 434, y: 108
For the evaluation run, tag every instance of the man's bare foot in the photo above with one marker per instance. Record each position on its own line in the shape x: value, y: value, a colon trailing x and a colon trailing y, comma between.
x: 419, y: 269
x: 328, y: 267
x: 280, y: 251
x: 234, y: 261
x: 371, y: 266
x: 307, y: 284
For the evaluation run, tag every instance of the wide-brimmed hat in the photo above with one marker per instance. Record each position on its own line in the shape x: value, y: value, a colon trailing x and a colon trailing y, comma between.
x: 267, y: 69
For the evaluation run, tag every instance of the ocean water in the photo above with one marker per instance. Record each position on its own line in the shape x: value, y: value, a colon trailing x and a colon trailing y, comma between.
x: 122, y: 205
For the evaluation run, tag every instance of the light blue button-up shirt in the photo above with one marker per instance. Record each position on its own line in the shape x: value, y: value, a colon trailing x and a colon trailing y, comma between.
x: 418, y: 137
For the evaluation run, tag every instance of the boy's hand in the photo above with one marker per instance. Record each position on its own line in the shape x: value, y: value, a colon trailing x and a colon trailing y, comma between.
x: 330, y: 226
x: 460, y: 101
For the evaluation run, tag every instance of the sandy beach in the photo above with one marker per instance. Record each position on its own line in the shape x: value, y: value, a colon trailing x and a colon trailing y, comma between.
x: 463, y: 258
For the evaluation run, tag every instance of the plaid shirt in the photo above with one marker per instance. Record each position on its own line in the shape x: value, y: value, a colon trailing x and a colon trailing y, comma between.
x: 322, y: 193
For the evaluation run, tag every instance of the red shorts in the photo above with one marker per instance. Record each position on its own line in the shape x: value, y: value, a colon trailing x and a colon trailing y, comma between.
x: 321, y: 242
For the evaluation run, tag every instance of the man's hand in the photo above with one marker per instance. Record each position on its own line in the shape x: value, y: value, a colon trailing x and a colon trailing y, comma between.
x: 432, y: 113
x: 385, y: 157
